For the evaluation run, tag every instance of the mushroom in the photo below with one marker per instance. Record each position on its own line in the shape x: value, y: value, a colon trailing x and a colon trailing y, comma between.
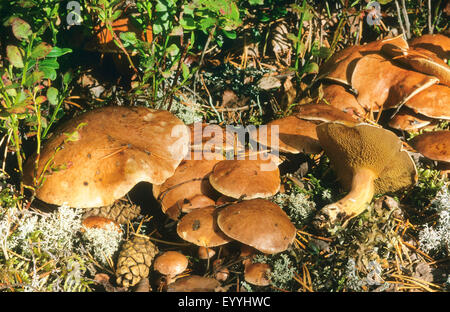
x: 97, y: 222
x: 189, y: 180
x: 258, y: 223
x: 205, y: 253
x: 338, y: 96
x: 246, y: 178
x: 436, y: 43
x: 257, y: 274
x: 434, y: 145
x: 406, y: 119
x: 368, y: 160
x: 97, y: 157
x: 294, y: 135
x: 200, y: 228
x: 194, y: 283
x: 170, y: 264
x: 432, y: 102
x: 340, y: 66
x: 317, y: 112
x: 195, y: 202
x: 381, y: 84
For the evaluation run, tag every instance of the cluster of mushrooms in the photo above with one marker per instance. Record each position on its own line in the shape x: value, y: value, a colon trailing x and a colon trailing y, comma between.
x: 98, y: 157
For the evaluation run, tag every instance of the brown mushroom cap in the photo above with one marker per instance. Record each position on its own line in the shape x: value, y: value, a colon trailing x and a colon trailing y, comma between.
x: 190, y: 179
x: 170, y: 263
x: 257, y: 274
x: 205, y: 252
x: 258, y: 223
x: 433, y: 145
x: 97, y: 222
x: 106, y: 152
x: 200, y: 228
x: 436, y: 43
x: 339, y: 67
x: 194, y: 283
x: 432, y: 102
x: 196, y: 202
x: 381, y: 84
x: 337, y: 96
x: 294, y: 135
x: 322, y: 112
x: 406, y: 119
x: 246, y: 178
x: 363, y: 145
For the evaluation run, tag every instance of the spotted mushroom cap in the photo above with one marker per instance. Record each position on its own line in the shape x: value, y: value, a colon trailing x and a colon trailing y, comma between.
x: 434, y: 145
x: 371, y: 147
x: 97, y: 157
x: 258, y: 223
x: 200, y: 228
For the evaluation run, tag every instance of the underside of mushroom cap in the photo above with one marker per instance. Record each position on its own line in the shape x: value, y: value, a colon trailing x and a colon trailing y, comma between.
x: 370, y: 147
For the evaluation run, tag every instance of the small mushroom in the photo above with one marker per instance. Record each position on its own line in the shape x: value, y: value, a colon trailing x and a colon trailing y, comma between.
x: 368, y: 160
x: 339, y: 97
x: 257, y: 274
x: 258, y: 223
x: 246, y: 178
x: 194, y: 283
x: 196, y: 202
x: 170, y: 264
x: 97, y: 222
x: 205, y: 253
x: 200, y: 228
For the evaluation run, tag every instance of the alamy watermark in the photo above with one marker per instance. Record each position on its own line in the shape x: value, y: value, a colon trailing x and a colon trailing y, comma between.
x: 374, y: 15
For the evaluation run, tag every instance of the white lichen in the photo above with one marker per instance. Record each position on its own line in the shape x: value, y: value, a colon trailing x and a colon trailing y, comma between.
x: 102, y: 243
x: 298, y: 206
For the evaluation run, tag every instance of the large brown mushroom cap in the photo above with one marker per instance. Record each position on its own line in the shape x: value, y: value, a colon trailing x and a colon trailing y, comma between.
x: 110, y: 150
x: 381, y: 84
x: 170, y: 263
x: 246, y: 178
x: 433, y: 145
x: 432, y: 102
x: 436, y: 43
x: 200, y: 228
x: 339, y: 67
x: 294, y: 135
x: 363, y: 145
x: 259, y: 223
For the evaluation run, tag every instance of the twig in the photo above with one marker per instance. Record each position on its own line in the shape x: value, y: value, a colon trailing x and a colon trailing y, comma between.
x: 400, y: 18
x: 430, y: 25
x: 407, y: 24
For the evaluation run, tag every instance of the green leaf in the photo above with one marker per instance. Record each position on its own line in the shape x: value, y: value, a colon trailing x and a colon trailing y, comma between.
x: 256, y: 2
x: 34, y: 78
x: 67, y: 78
x: 188, y: 23
x: 15, y: 56
x: 21, y: 29
x: 49, y: 66
x: 185, y: 70
x: 41, y: 50
x: 52, y: 95
x: 229, y: 34
x: 310, y: 68
x: 57, y: 52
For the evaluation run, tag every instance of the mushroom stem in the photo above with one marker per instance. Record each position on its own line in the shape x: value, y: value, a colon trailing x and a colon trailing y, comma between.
x: 353, y: 203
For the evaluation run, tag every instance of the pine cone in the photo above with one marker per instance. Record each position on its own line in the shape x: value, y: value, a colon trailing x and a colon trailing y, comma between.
x: 121, y: 211
x: 135, y: 259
